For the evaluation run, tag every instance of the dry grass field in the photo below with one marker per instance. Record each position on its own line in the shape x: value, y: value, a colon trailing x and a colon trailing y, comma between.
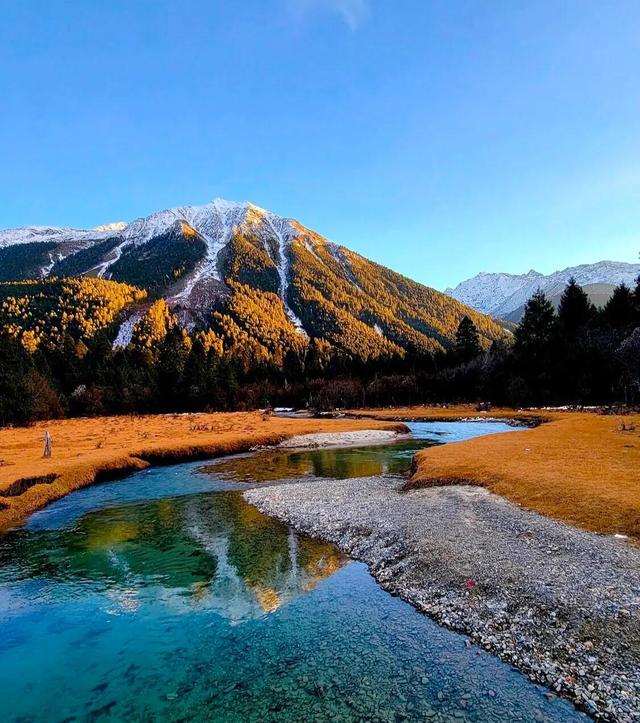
x: 580, y: 467
x: 94, y: 450
x: 583, y: 468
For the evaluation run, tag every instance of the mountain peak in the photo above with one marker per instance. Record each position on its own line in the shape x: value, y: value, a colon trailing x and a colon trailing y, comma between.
x: 115, y: 226
x: 502, y: 294
x: 250, y: 274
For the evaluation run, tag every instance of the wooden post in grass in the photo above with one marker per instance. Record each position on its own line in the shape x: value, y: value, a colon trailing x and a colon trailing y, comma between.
x: 47, y: 445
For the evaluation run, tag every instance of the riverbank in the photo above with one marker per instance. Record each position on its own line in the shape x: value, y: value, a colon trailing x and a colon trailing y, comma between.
x: 87, y: 451
x: 579, y: 467
x: 558, y: 603
x: 455, y: 413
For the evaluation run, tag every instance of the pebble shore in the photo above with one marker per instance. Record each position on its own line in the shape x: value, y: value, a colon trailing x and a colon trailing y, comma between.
x: 559, y: 604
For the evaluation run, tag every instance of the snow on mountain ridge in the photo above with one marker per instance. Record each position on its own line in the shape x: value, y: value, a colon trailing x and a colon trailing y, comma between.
x: 42, y: 234
x: 114, y: 226
x: 500, y: 294
x: 214, y: 221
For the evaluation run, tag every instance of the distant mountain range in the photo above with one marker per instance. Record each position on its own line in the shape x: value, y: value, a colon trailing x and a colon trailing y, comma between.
x: 254, y: 270
x: 503, y: 296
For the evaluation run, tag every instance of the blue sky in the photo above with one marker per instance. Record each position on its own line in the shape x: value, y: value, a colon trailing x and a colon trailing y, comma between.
x: 438, y: 137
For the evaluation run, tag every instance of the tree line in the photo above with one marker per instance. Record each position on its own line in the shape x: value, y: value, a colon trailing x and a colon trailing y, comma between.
x: 576, y: 355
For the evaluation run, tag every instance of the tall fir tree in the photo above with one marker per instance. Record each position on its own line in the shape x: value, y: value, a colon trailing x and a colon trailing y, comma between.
x: 467, y: 343
x: 572, y: 370
x: 535, y: 332
x: 534, y: 352
x: 619, y: 312
x: 16, y: 403
x: 575, y: 310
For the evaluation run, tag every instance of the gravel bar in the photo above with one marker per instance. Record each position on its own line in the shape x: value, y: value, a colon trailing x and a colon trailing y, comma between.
x: 560, y: 604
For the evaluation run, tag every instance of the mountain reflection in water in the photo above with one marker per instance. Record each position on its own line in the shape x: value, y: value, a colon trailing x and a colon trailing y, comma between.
x: 212, y: 550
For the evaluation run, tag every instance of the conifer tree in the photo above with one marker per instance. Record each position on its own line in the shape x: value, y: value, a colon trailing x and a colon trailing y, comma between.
x: 16, y: 404
x: 172, y: 357
x: 533, y: 350
x: 628, y: 354
x: 467, y: 344
x: 535, y: 330
x: 619, y: 311
x: 575, y: 310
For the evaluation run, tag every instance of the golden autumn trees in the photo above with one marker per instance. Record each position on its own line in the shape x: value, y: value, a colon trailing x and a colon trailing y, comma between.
x: 46, y: 311
x: 353, y: 306
x: 369, y: 310
x: 152, y: 328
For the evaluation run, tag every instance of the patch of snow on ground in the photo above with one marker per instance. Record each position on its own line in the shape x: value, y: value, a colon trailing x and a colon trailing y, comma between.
x: 46, y: 270
x: 114, y: 255
x: 215, y: 223
x: 311, y: 250
x: 339, y: 256
x: 125, y: 331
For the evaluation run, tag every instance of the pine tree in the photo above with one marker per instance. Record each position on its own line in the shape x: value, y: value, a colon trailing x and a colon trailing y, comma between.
x: 628, y: 354
x: 292, y: 366
x: 575, y: 310
x: 572, y: 368
x: 619, y: 311
x: 467, y: 344
x: 535, y: 331
x: 534, y: 352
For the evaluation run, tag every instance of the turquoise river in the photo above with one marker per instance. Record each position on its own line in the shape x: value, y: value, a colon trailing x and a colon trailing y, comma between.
x: 165, y: 596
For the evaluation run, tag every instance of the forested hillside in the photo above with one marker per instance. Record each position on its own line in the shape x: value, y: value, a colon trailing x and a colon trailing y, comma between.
x: 45, y: 312
x: 57, y: 356
x: 213, y: 263
x: 228, y: 306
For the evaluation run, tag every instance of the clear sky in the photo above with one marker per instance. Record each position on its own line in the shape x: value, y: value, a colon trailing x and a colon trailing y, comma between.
x: 438, y: 137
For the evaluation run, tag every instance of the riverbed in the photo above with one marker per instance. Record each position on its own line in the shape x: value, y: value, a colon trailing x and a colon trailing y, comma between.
x: 167, y: 596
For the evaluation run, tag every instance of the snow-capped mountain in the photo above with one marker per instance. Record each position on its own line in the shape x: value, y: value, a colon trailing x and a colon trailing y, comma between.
x: 211, y: 224
x: 197, y: 257
x: 504, y: 295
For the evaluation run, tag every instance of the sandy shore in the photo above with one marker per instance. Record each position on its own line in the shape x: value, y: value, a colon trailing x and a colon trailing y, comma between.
x: 560, y: 604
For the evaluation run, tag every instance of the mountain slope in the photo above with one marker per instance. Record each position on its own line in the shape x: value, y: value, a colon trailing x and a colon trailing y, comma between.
x: 49, y: 311
x: 237, y: 268
x: 504, y: 295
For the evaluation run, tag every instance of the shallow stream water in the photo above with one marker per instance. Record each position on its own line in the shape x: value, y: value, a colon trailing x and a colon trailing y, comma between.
x: 166, y: 596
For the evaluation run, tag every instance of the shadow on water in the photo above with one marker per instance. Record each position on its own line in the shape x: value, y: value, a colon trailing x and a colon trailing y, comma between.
x: 167, y: 597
